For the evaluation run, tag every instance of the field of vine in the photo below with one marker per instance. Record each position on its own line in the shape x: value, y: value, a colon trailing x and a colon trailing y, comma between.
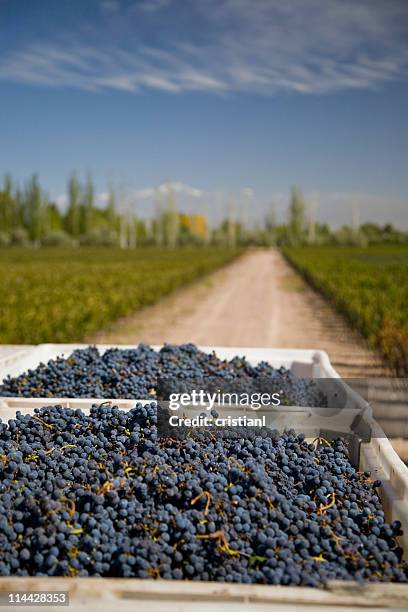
x: 369, y: 286
x: 64, y: 295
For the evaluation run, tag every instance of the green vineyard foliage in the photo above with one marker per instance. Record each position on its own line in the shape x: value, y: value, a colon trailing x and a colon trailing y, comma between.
x: 369, y: 286
x: 64, y: 295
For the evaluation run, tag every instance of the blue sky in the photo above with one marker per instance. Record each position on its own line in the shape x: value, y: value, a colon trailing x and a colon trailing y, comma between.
x: 218, y: 94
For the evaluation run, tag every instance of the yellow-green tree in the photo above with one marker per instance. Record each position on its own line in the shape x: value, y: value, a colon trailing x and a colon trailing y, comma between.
x: 296, y: 220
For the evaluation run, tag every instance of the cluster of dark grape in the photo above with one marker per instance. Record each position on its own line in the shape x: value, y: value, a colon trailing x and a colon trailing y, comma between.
x: 102, y: 494
x: 144, y: 373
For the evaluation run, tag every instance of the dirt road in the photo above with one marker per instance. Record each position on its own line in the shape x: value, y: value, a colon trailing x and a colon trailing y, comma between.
x: 259, y: 300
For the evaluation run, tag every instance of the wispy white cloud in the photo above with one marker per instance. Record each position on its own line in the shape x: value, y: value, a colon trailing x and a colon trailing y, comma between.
x: 152, y: 6
x: 305, y: 46
x: 110, y: 6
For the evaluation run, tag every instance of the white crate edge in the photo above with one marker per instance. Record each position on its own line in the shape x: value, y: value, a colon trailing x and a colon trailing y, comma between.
x: 128, y: 594
x: 10, y: 354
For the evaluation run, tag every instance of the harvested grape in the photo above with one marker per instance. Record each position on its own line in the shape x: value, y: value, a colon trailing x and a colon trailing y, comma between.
x: 143, y: 373
x: 103, y: 494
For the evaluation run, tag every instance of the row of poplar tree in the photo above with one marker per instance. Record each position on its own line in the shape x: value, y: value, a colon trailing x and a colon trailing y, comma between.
x: 28, y: 215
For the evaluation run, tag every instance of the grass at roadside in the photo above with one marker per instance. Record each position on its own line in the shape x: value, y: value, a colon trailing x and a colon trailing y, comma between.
x: 64, y: 295
x: 369, y: 286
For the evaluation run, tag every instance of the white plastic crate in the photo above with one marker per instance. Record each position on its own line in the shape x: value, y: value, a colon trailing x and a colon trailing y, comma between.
x: 10, y: 352
x: 376, y: 455
x: 302, y: 362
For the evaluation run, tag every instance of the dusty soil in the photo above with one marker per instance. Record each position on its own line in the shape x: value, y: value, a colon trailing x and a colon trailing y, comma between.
x: 259, y: 300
